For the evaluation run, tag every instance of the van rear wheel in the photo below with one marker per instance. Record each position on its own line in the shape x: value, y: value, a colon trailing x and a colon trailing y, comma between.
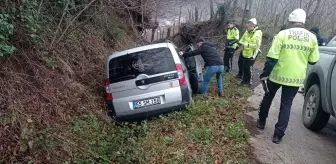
x: 314, y: 117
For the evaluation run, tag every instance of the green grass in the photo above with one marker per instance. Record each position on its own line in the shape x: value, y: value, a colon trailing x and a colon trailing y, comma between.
x: 210, y: 130
x: 237, y: 131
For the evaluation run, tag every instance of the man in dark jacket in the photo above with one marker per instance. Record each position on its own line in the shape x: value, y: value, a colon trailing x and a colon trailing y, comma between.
x: 213, y: 64
x: 320, y: 40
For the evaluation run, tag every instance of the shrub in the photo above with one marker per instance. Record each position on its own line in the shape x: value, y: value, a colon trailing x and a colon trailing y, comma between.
x: 6, y: 31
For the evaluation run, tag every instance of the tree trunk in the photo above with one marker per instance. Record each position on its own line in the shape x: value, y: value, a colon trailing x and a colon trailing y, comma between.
x: 196, y: 14
x: 179, y: 20
x: 300, y: 3
x: 284, y: 17
x: 277, y: 17
x: 245, y: 13
x: 249, y: 9
x: 154, y: 28
x: 168, y: 32
x: 153, y: 34
x: 190, y: 17
x: 234, y: 10
x: 211, y: 10
x: 162, y: 32
x: 309, y: 5
x: 174, y: 29
x: 142, y: 15
x: 312, y: 16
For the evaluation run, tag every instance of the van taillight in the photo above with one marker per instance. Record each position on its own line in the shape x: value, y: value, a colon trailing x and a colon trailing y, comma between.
x: 182, y: 79
x: 108, y: 92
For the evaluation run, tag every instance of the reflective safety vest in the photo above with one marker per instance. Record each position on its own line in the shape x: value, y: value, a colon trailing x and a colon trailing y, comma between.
x: 233, y: 35
x: 293, y: 48
x: 253, y: 41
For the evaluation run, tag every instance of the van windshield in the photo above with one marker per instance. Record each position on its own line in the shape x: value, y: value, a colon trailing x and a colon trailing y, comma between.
x: 149, y: 62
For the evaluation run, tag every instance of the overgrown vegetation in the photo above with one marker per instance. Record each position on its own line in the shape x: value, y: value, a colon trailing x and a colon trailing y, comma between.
x: 35, y: 23
x: 209, y: 131
x: 6, y: 31
x: 51, y: 70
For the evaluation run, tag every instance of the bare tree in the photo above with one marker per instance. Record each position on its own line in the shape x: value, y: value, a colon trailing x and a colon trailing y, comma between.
x: 180, y: 14
x: 211, y: 9
x: 234, y: 10
x: 312, y: 16
x: 245, y: 12
x: 154, y: 28
x: 196, y: 14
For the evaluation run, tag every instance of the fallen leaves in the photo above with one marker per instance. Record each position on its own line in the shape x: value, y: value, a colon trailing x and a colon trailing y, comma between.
x: 192, y: 151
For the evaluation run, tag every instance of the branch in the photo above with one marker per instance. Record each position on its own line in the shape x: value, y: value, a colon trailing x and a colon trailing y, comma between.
x: 85, y: 21
x: 59, y: 24
x: 73, y: 20
x: 40, y: 7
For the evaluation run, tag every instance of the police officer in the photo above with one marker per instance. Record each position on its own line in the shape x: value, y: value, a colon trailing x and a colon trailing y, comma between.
x: 292, y: 49
x: 231, y: 45
x: 250, y: 43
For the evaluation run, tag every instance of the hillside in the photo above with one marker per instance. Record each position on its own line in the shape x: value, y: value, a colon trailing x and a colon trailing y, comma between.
x: 51, y: 69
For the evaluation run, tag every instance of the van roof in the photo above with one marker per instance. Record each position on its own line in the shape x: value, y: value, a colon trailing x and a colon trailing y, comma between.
x: 142, y: 48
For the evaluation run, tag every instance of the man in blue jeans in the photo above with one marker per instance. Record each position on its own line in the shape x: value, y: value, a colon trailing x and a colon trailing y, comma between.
x: 213, y: 64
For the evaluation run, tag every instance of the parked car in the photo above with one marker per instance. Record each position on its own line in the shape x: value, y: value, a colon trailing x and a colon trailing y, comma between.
x: 320, y: 92
x: 148, y: 80
x: 331, y: 43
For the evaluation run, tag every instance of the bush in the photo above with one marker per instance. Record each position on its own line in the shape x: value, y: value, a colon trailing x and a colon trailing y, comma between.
x: 6, y: 32
x: 116, y: 33
x: 31, y: 22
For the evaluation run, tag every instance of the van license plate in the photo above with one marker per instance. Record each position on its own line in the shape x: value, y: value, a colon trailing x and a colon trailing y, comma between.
x: 145, y: 103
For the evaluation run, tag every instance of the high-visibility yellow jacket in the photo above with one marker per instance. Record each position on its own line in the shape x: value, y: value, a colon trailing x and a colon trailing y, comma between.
x: 232, y: 37
x: 293, y: 49
x: 251, y: 41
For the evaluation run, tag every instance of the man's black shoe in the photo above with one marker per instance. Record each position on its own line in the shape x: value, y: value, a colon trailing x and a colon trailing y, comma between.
x: 276, y: 139
x: 220, y: 94
x: 260, y: 125
x: 242, y: 83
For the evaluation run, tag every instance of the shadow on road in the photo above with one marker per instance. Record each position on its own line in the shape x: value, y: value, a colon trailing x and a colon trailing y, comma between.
x: 329, y: 132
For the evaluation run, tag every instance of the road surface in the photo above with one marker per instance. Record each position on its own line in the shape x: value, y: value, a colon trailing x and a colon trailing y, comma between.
x: 299, y: 145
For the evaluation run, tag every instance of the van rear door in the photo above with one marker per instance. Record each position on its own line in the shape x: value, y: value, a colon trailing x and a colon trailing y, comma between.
x: 144, y: 75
